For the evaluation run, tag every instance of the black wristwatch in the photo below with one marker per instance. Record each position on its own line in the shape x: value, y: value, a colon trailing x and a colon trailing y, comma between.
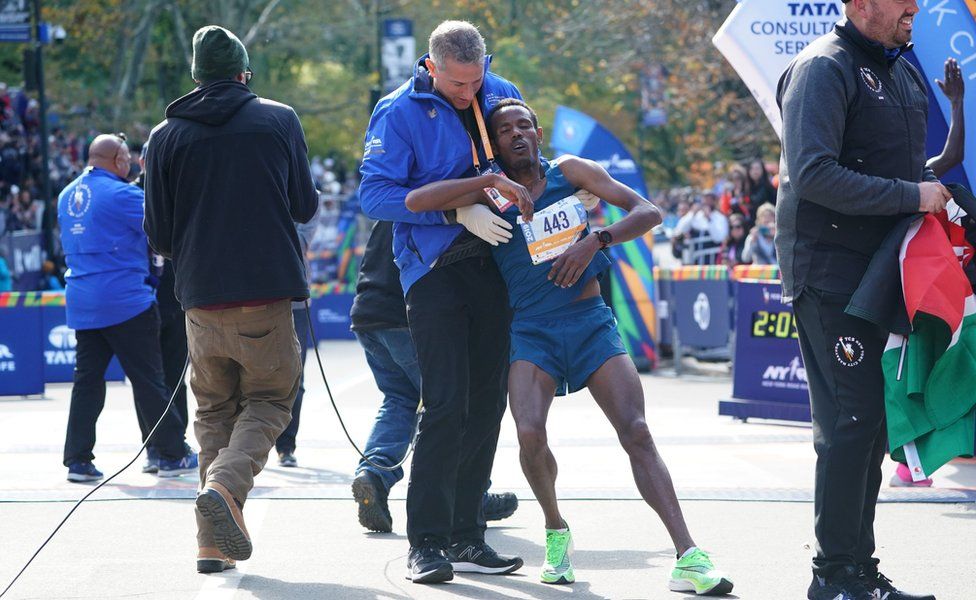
x: 605, y: 238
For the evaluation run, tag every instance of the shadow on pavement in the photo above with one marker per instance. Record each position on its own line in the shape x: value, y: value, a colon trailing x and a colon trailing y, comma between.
x: 520, y: 583
x: 969, y: 514
x: 302, y: 474
x: 266, y: 588
x: 583, y: 560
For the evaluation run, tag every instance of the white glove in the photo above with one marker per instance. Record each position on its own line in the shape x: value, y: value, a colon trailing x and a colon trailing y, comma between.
x: 479, y: 220
x: 589, y: 200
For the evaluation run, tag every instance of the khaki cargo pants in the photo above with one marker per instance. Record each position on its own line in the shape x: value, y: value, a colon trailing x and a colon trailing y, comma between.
x: 246, y: 369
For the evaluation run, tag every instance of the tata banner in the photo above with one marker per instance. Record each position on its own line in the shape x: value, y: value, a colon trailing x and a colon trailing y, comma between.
x: 60, y: 348
x: 632, y: 273
x: 761, y: 37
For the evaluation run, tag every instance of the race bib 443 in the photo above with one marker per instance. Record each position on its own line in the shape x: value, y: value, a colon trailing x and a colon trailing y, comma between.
x: 554, y: 229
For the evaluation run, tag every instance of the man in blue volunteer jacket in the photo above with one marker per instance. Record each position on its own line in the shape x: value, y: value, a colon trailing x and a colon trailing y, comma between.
x: 457, y: 307
x: 112, y: 307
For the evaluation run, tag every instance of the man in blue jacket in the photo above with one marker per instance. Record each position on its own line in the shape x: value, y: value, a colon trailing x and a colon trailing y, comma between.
x: 430, y: 129
x: 112, y: 307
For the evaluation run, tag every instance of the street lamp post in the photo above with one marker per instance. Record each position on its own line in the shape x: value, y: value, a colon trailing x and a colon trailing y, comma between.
x: 50, y: 213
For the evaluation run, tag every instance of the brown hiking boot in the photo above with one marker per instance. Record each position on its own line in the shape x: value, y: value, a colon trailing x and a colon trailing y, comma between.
x: 211, y: 560
x: 218, y: 507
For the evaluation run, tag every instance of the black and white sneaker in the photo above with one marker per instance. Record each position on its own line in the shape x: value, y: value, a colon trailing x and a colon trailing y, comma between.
x: 845, y: 584
x: 476, y: 556
x: 426, y: 564
x: 882, y: 588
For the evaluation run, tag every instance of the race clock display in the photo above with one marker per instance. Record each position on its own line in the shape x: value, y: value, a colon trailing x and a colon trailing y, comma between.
x: 773, y: 324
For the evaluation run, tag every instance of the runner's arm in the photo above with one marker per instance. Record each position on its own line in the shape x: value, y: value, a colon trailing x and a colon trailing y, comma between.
x: 641, y: 215
x: 449, y: 194
x: 640, y: 218
x: 455, y: 193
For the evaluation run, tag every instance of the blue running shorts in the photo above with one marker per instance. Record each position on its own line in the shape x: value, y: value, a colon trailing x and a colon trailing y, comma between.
x: 570, y: 343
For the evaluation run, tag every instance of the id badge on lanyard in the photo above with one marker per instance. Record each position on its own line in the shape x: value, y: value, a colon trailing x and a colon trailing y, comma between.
x: 554, y: 229
x: 501, y: 202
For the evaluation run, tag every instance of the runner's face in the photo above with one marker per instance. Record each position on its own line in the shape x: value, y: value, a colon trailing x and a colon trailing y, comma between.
x: 516, y: 137
x: 889, y: 22
x: 457, y: 82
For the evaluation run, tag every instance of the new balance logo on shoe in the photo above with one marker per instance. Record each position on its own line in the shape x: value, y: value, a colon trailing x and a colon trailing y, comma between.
x: 469, y: 554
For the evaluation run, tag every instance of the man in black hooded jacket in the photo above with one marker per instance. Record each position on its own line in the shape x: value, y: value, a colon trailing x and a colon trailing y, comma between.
x: 227, y: 176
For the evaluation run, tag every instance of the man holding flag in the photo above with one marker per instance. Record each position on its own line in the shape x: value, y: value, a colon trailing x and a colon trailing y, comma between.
x: 854, y: 123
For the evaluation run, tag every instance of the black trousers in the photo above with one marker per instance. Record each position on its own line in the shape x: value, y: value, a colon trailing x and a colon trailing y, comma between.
x: 136, y: 343
x: 286, y: 441
x: 459, y: 320
x: 842, y: 355
x: 172, y: 341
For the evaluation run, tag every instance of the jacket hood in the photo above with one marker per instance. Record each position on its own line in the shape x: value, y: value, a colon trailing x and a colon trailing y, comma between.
x: 212, y: 104
x: 423, y: 83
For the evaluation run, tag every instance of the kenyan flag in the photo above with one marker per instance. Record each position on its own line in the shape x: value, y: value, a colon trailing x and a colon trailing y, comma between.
x: 930, y: 374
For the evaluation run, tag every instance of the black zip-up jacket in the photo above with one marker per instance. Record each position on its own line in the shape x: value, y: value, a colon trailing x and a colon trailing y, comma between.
x: 854, y: 125
x: 227, y: 176
x: 379, y: 302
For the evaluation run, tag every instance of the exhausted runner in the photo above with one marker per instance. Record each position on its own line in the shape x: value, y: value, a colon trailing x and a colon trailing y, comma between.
x: 564, y: 337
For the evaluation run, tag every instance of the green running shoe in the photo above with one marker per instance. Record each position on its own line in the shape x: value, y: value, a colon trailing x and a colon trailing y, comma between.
x: 696, y: 573
x: 558, y: 570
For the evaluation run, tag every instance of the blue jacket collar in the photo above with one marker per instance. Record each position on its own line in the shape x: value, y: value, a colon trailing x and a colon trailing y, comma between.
x: 100, y: 172
x: 423, y: 83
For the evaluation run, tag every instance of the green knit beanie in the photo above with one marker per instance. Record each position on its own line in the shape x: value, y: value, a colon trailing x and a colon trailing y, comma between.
x: 217, y: 54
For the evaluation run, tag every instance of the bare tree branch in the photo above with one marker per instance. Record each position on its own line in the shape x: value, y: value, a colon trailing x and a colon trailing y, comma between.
x: 256, y: 28
x: 182, y: 37
x: 133, y: 70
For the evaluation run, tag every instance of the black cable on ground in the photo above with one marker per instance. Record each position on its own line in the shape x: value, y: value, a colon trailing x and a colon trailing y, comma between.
x: 416, y: 427
x: 169, y: 406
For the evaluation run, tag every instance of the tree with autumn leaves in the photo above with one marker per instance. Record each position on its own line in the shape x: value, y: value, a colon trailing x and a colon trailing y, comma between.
x: 124, y: 60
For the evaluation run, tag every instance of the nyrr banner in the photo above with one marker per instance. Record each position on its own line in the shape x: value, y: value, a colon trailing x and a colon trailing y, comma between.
x: 761, y: 37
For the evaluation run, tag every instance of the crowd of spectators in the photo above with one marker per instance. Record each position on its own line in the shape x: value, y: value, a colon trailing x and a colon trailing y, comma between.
x: 732, y: 223
x: 21, y: 203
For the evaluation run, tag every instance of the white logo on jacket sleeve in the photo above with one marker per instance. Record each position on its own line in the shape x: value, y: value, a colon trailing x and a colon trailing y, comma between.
x: 373, y: 146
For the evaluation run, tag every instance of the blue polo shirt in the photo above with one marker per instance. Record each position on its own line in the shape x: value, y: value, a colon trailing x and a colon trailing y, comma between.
x: 106, y: 250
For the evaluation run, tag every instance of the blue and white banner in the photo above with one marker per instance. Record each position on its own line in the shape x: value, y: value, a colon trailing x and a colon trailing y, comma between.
x: 761, y: 37
x: 944, y: 29
x: 632, y: 273
x: 25, y: 257
x: 581, y: 135
x: 399, y: 50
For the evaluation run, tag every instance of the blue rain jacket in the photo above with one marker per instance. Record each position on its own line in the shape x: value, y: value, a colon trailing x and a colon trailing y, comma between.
x: 106, y: 250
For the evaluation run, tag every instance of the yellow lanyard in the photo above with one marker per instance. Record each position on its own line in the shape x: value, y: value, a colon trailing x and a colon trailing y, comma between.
x: 485, y: 142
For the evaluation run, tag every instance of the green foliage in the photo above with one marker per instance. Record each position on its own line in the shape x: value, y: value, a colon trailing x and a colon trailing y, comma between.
x: 125, y: 60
